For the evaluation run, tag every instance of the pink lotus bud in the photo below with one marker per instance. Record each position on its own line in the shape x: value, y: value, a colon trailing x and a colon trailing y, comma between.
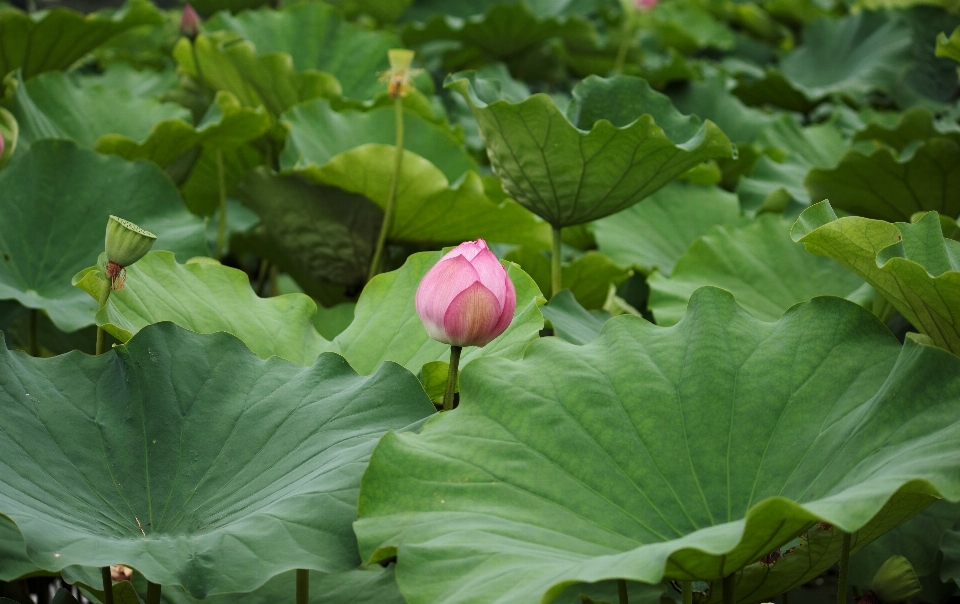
x: 190, y: 22
x: 645, y: 5
x: 466, y: 299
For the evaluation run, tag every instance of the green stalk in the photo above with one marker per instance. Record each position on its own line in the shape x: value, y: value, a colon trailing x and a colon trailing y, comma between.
x: 153, y: 593
x: 844, y: 569
x: 196, y: 61
x: 556, y: 271
x: 391, y: 207
x: 33, y: 348
x: 303, y: 586
x: 452, y: 378
x: 730, y: 589
x: 622, y: 52
x: 222, y: 188
x: 107, y: 584
x: 102, y: 335
x: 622, y: 590
x: 687, y: 591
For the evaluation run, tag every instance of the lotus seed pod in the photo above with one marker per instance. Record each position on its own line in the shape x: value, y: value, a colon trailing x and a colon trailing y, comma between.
x: 400, y: 59
x: 896, y: 581
x: 399, y: 76
x: 126, y: 242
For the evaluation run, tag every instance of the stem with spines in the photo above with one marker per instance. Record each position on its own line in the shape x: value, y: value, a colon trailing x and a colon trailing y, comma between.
x: 622, y: 591
x: 556, y: 267
x: 452, y: 378
x: 303, y: 586
x: 687, y: 590
x: 107, y: 584
x: 844, y: 569
x: 153, y: 593
x: 222, y: 189
x: 730, y: 589
x: 391, y: 207
x: 101, y: 334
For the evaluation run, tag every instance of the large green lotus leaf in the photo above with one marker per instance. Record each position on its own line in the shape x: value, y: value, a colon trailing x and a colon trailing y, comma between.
x: 776, y: 185
x: 385, y: 11
x: 228, y: 62
x: 949, y: 47
x: 206, y: 297
x: 652, y: 235
x: 226, y: 125
x: 55, y: 201
x: 898, y: 130
x: 684, y: 452
x: 918, y: 540
x: 317, y: 134
x: 853, y: 56
x: 327, y: 234
x: 214, y: 469
x: 429, y: 207
x: 82, y: 108
x: 318, y: 38
x: 889, y: 187
x: 588, y: 276
x: 758, y: 263
x: 618, y: 142
x: 386, y: 326
x: 912, y: 265
x: 57, y: 38
x: 502, y: 29
x: 929, y: 81
x: 14, y: 562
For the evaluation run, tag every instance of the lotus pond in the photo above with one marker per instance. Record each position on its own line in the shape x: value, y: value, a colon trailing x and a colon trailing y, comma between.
x: 480, y: 302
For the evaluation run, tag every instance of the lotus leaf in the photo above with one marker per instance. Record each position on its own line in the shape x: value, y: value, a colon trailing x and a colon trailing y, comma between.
x: 386, y: 326
x: 570, y: 320
x: 912, y: 265
x: 886, y: 186
x: 55, y: 201
x: 852, y: 56
x: 57, y: 38
x: 719, y: 463
x: 236, y: 469
x: 322, y: 233
x: 318, y: 133
x: 778, y: 185
x: 429, y: 207
x: 949, y: 47
x: 654, y: 234
x: 14, y: 562
x: 549, y: 162
x: 587, y: 277
x: 224, y: 61
x: 316, y: 38
x: 758, y: 263
x: 206, y: 297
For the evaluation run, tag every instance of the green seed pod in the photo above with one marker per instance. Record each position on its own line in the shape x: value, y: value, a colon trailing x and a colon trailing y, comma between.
x: 896, y: 581
x: 126, y: 242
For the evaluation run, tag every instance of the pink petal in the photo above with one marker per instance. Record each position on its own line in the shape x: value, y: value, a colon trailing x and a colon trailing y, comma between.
x: 506, y: 316
x: 439, y: 287
x: 472, y: 316
x: 467, y: 249
x: 491, y: 274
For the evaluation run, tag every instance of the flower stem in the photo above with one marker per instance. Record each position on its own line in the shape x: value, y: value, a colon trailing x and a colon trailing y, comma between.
x: 844, y: 569
x: 153, y: 593
x: 730, y: 589
x: 687, y: 591
x: 556, y: 272
x: 452, y: 378
x: 391, y: 206
x: 107, y: 584
x: 624, y: 48
x: 622, y: 590
x: 101, y: 334
x: 303, y: 586
x: 222, y: 187
x: 33, y: 348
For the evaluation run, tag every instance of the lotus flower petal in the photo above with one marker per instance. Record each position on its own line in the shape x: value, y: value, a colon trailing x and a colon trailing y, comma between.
x: 491, y: 274
x: 506, y: 315
x: 439, y: 287
x: 472, y: 316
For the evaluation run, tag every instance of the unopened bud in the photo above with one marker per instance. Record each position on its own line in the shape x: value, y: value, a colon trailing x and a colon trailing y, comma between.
x: 190, y: 23
x: 119, y: 572
x: 896, y: 581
